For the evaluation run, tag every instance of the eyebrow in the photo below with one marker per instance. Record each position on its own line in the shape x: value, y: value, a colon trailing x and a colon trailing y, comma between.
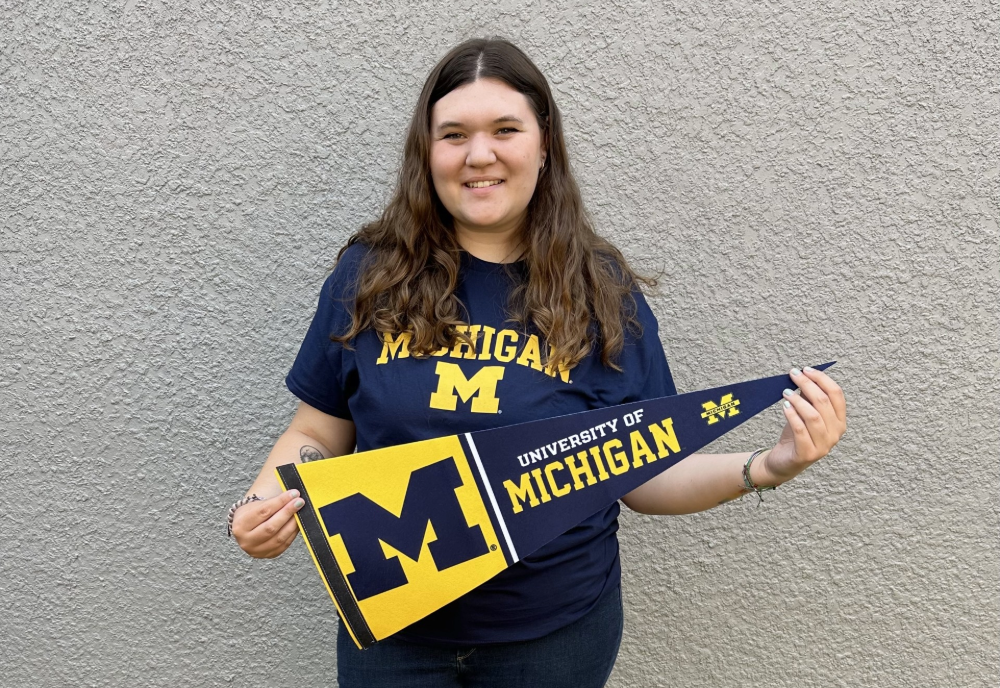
x: 498, y: 120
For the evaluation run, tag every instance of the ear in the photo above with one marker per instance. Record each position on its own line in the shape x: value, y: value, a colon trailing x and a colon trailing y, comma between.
x: 545, y: 143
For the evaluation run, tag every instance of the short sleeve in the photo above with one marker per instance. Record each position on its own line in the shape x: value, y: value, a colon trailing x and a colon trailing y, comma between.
x: 320, y: 369
x: 650, y: 373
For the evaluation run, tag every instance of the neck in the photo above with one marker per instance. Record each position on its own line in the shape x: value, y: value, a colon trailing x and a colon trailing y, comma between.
x: 493, y: 247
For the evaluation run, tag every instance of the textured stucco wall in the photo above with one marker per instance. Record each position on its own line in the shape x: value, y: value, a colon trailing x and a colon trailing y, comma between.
x: 814, y: 181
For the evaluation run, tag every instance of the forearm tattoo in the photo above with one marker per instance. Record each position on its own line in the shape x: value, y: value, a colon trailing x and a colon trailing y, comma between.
x: 307, y: 453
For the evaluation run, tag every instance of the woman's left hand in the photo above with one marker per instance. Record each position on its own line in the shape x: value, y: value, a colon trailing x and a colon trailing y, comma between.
x: 816, y: 420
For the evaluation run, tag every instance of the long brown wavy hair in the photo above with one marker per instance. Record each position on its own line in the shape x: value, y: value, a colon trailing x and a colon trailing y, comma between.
x: 578, y: 288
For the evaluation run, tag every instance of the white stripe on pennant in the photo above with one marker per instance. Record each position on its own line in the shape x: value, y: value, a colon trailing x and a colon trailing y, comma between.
x: 493, y: 499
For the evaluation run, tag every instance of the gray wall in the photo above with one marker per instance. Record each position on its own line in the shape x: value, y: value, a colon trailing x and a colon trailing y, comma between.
x: 813, y: 183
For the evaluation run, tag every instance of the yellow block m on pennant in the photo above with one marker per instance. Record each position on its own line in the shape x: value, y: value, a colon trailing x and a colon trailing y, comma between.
x: 716, y: 412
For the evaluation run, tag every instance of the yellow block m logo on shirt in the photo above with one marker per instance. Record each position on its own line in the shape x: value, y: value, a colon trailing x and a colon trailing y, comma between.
x: 481, y: 388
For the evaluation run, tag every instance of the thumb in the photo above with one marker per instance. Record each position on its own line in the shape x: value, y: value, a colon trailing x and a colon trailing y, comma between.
x: 253, y: 514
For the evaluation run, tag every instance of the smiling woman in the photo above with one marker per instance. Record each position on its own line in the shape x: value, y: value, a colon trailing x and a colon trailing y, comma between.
x: 486, y: 174
x: 483, y: 297
x: 485, y: 164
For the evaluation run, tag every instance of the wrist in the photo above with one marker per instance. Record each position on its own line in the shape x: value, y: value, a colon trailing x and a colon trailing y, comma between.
x: 777, y: 467
x: 753, y: 481
x: 761, y: 474
x: 232, y: 511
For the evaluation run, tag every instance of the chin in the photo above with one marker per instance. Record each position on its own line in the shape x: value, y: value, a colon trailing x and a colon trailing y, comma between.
x: 484, y: 223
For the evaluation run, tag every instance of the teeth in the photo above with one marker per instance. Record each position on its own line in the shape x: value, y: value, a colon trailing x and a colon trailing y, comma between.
x: 480, y: 185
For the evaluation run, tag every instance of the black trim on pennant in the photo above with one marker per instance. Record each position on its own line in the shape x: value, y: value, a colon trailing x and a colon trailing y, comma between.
x: 314, y: 533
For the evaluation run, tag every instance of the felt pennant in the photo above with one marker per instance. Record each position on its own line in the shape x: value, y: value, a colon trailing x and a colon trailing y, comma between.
x: 398, y: 533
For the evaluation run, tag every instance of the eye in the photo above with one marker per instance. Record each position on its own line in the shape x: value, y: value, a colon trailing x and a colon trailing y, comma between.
x: 451, y: 135
x: 508, y: 130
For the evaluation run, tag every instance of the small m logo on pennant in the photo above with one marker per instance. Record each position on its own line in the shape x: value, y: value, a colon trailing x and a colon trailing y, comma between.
x: 716, y: 412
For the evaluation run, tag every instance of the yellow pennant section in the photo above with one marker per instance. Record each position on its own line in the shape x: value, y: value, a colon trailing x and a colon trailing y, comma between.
x: 349, y: 494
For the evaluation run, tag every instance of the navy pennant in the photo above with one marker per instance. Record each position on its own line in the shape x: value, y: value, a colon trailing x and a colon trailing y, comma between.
x: 398, y: 533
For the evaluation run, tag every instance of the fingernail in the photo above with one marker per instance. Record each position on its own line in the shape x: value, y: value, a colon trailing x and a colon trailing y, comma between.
x: 786, y: 404
x: 293, y: 493
x: 809, y: 369
x: 795, y: 371
x: 299, y: 503
x: 787, y: 393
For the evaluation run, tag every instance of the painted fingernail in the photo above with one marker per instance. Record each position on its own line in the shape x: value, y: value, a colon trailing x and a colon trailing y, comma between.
x: 786, y: 404
x: 788, y: 393
x: 795, y: 371
x: 809, y: 369
x: 299, y: 503
x: 293, y: 493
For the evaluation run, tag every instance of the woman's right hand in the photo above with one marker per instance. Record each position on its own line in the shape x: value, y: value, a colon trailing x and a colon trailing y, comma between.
x: 265, y: 528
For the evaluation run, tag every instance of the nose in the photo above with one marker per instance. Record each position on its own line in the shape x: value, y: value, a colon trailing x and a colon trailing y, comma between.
x: 480, y: 152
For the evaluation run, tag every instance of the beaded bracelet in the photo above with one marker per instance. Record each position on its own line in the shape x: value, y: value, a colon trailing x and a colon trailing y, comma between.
x: 234, y: 507
x: 751, y: 486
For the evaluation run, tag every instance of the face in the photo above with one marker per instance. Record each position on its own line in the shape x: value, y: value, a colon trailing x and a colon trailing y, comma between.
x: 486, y: 155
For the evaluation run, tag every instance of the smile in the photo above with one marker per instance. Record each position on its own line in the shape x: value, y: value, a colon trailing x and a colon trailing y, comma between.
x: 483, y: 184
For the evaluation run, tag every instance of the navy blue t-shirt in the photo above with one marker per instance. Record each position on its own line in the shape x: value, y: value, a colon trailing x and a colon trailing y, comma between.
x: 394, y: 398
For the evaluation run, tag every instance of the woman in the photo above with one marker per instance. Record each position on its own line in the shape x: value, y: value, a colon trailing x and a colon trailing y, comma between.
x: 482, y: 297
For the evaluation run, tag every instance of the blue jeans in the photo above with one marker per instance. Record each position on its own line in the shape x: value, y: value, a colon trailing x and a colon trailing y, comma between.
x: 580, y: 655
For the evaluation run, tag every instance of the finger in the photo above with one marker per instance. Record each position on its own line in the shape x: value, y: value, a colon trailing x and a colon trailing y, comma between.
x: 833, y: 392
x: 287, y: 534
x: 250, y: 516
x: 253, y: 514
x: 812, y: 423
x: 815, y: 394
x: 270, y: 528
x: 804, y: 446
x: 280, y: 542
